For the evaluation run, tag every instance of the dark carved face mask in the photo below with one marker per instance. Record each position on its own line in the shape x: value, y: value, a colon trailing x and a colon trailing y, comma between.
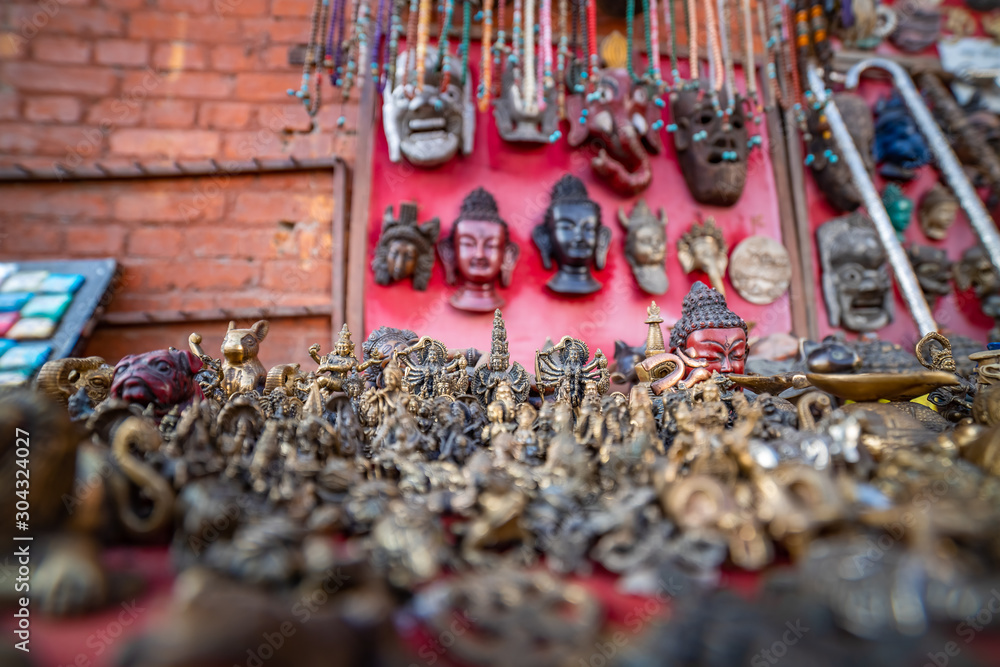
x: 622, y: 121
x: 404, y: 248
x: 832, y: 174
x: 933, y: 271
x: 856, y: 283
x: 646, y: 246
x: 522, y: 121
x: 919, y: 26
x: 712, y: 149
x: 430, y: 126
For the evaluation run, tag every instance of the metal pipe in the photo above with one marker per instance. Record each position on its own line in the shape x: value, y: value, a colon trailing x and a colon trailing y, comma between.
x: 905, y: 276
x: 947, y: 163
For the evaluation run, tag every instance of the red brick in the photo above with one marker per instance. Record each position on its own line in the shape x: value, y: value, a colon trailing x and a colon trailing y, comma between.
x: 204, y: 85
x: 35, y: 77
x: 31, y: 238
x: 257, y: 144
x: 312, y: 145
x: 127, y: 52
x: 179, y: 56
x: 198, y: 204
x: 292, y: 8
x: 173, y: 144
x: 226, y: 275
x: 26, y: 139
x: 95, y: 240
x: 162, y: 26
x: 276, y: 58
x: 235, y: 58
x: 10, y: 106
x: 169, y: 113
x: 52, y: 108
x: 264, y: 86
x: 295, y: 276
x: 114, y: 112
x: 123, y: 4
x: 185, y: 6
x: 281, y: 31
x: 55, y: 201
x: 66, y: 50
x: 273, y: 207
x: 86, y: 21
x: 224, y: 115
x: 227, y: 8
x: 155, y: 242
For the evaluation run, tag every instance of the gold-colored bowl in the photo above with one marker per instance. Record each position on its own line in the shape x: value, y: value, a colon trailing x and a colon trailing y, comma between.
x: 876, y: 386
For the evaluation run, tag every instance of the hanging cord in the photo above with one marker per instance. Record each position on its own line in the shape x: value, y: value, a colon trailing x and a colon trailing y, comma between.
x: 423, y: 33
x: 528, y: 32
x: 652, y: 22
x: 694, y: 63
x: 466, y: 25
x: 444, y: 45
x: 546, y: 54
x: 592, y: 42
x: 562, y: 57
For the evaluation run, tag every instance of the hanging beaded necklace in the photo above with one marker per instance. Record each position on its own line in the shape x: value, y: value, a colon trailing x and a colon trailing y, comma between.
x: 395, y: 30
x: 562, y: 57
x: 312, y: 78
x: 716, y: 73
x: 411, y: 46
x: 629, y: 22
x: 423, y: 33
x: 592, y: 43
x: 486, y: 65
x: 670, y: 20
x: 335, y: 41
x: 545, y: 61
x: 694, y: 65
x: 513, y: 57
x: 379, y: 45
x: 652, y: 23
x: 444, y: 49
x: 750, y: 63
x: 728, y: 70
x: 499, y: 47
x: 464, y: 46
x: 528, y: 34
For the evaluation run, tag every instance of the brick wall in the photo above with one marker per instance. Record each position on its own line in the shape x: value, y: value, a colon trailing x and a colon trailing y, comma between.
x: 122, y: 80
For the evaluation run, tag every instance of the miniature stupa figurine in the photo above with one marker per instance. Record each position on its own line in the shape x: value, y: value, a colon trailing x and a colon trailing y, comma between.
x: 478, y: 253
x: 573, y: 236
x: 487, y: 378
x: 710, y: 332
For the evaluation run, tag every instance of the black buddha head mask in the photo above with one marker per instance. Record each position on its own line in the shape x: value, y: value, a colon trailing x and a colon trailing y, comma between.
x: 857, y: 287
x: 573, y: 236
x: 712, y: 148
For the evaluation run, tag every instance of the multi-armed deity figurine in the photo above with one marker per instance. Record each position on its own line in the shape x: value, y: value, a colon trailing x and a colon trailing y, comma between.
x: 703, y: 248
x: 646, y: 246
x: 427, y: 122
x: 565, y: 369
x: 709, y: 332
x: 856, y: 283
x: 488, y: 378
x: 339, y: 370
x: 478, y: 253
x: 712, y: 147
x: 573, y: 236
x: 405, y: 248
x: 428, y: 372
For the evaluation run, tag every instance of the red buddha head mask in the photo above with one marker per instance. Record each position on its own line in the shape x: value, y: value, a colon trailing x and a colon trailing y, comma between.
x: 164, y: 378
x: 478, y: 253
x: 709, y: 331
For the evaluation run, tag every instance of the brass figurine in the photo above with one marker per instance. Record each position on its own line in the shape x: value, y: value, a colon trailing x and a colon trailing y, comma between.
x: 498, y: 369
x: 646, y: 246
x: 241, y: 370
x: 405, y: 249
x: 565, y: 369
x: 428, y: 372
x: 572, y: 235
x: 703, y: 248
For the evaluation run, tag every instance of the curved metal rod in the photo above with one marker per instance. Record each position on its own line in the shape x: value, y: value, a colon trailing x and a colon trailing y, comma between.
x: 947, y: 162
x: 905, y: 276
